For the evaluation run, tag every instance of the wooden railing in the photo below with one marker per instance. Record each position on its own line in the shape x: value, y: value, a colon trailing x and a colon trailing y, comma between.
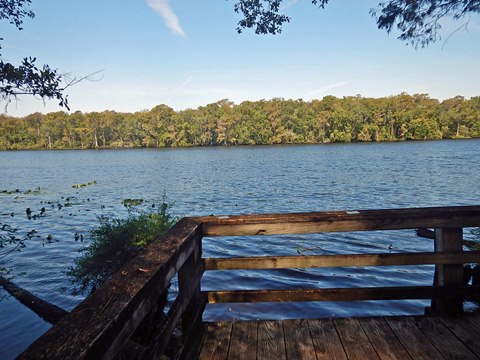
x: 104, y: 325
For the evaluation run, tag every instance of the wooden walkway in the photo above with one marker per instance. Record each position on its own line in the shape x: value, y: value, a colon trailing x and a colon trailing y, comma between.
x: 409, y: 337
x: 112, y: 320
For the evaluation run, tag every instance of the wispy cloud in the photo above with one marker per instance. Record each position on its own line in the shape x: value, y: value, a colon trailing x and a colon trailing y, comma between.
x: 179, y: 89
x: 163, y: 8
x: 289, y: 4
x: 324, y: 89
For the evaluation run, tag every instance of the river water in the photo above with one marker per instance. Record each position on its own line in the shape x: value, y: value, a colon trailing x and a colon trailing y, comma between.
x: 229, y: 180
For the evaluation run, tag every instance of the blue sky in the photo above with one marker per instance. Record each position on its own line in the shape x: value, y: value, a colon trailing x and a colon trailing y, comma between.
x: 187, y: 53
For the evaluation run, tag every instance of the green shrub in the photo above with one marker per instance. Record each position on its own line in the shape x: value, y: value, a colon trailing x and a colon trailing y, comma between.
x: 114, y: 242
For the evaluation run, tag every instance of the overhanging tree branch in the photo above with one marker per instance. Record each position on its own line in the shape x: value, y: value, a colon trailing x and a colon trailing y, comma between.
x: 264, y: 15
x: 14, y: 11
x: 28, y: 78
x: 418, y: 21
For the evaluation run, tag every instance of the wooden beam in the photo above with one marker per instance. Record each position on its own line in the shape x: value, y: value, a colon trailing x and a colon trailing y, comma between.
x: 47, y: 311
x: 448, y: 239
x: 103, y: 323
x: 339, y: 294
x: 189, y: 277
x: 193, y: 338
x: 337, y: 221
x: 319, y: 261
x: 160, y: 340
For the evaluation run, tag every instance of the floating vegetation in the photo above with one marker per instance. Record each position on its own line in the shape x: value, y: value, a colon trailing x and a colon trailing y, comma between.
x: 42, y: 211
x: 50, y: 239
x: 4, y: 272
x: 11, y: 240
x: 132, y: 202
x: 60, y: 204
x: 77, y: 186
x: 6, y: 192
x: 18, y: 192
x: 32, y: 216
x: 78, y: 237
x: 32, y: 192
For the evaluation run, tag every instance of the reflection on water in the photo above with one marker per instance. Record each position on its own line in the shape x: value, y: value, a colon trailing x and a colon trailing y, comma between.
x: 231, y: 180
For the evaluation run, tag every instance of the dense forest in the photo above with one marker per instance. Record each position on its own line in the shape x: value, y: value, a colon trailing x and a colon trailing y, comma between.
x: 276, y: 121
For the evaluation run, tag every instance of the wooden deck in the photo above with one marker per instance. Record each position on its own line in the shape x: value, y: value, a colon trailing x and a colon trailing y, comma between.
x: 405, y: 337
x: 112, y: 321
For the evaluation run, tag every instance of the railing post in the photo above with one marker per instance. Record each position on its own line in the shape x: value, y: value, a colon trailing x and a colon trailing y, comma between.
x: 189, y: 277
x: 448, y: 239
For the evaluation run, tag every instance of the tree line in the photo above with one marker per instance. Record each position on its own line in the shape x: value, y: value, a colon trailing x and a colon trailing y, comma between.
x: 275, y: 121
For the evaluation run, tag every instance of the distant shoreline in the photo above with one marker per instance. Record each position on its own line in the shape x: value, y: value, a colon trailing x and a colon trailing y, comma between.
x: 355, y: 119
x: 238, y: 145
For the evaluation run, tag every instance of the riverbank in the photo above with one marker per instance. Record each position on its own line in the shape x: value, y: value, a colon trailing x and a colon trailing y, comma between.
x: 276, y: 121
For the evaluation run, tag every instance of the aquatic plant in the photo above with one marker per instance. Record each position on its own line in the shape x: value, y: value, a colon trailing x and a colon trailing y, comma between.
x: 114, y: 242
x: 76, y: 186
x: 132, y: 202
x: 20, y: 192
x: 11, y: 240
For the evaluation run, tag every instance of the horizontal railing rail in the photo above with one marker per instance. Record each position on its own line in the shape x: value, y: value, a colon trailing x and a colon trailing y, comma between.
x: 341, y: 221
x: 108, y: 321
x: 350, y: 260
x: 342, y: 294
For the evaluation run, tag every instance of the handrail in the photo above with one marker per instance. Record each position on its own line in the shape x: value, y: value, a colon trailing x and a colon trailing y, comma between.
x: 341, y: 221
x: 102, y: 325
x: 349, y: 260
x: 341, y: 294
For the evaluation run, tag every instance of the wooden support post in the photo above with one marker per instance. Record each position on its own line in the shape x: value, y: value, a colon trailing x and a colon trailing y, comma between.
x: 448, y: 239
x: 189, y: 277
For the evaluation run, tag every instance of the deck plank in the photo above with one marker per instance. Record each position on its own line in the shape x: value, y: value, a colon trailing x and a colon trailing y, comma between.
x: 465, y: 331
x: 298, y: 340
x: 354, y: 340
x: 326, y: 342
x: 384, y: 341
x: 216, y: 341
x: 243, y: 344
x: 271, y: 341
x: 445, y: 342
x: 384, y: 338
x: 417, y: 345
x: 474, y: 319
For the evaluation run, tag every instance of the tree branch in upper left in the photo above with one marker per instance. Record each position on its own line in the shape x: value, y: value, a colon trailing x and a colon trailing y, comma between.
x: 30, y: 78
